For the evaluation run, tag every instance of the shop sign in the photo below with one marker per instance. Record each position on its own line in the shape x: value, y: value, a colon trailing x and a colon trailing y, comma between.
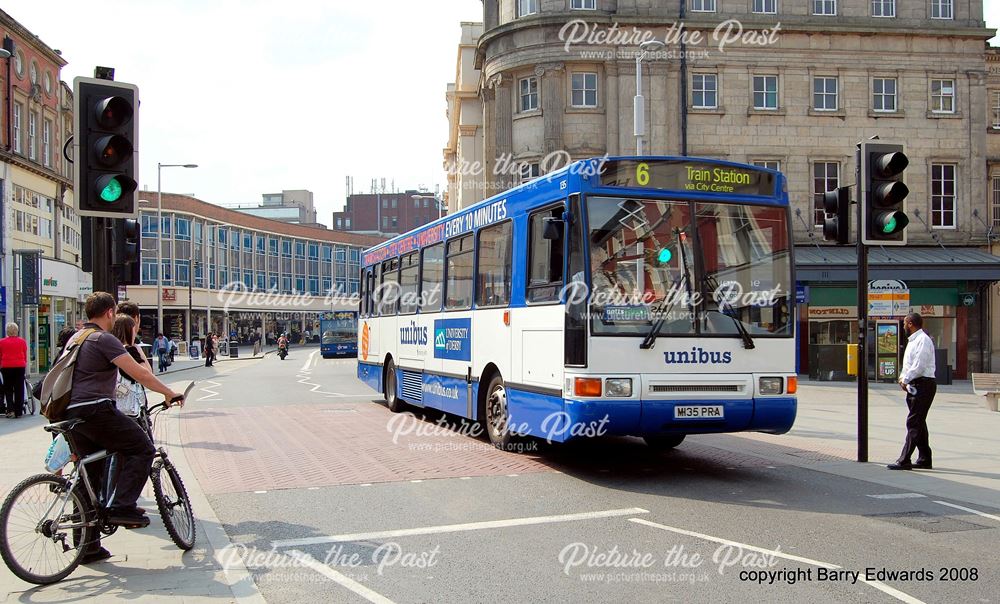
x: 832, y: 312
x: 888, y: 298
x: 169, y: 295
x: 801, y: 294
x: 30, y: 282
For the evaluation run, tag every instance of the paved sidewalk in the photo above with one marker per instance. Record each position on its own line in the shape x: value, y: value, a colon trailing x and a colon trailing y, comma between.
x: 964, y: 436
x: 146, y: 566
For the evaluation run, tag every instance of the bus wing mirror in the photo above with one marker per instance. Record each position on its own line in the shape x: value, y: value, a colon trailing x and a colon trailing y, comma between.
x: 553, y: 228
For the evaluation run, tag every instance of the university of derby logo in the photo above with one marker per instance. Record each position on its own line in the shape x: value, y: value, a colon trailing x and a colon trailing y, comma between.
x: 365, y: 340
x: 439, y: 339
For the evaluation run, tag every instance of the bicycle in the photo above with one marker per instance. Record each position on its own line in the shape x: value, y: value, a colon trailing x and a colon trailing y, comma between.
x: 47, y: 520
x: 30, y: 404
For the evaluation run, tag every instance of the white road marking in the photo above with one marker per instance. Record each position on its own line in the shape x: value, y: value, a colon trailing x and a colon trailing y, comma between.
x: 309, y: 361
x: 457, y: 528
x: 902, y: 597
x: 260, y: 492
x: 898, y: 496
x: 970, y: 510
x: 211, y: 393
x: 340, y: 578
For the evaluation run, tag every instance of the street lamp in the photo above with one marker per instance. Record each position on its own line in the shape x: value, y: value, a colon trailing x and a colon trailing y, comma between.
x: 639, y: 102
x: 159, y: 241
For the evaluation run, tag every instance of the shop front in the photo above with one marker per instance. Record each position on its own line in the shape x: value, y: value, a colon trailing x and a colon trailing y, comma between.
x: 947, y: 287
x: 59, y: 307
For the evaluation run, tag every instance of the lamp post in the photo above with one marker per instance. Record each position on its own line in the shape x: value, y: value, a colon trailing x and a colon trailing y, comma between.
x: 639, y: 102
x: 159, y: 241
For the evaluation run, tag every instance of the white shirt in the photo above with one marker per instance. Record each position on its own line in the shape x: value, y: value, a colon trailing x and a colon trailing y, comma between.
x: 918, y: 360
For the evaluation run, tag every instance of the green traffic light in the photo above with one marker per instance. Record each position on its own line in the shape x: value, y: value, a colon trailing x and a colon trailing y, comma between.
x: 890, y: 226
x: 664, y: 255
x: 111, y: 191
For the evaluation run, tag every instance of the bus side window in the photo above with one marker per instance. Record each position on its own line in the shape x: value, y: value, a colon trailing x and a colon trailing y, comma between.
x: 545, y: 258
x: 390, y: 287
x: 376, y: 291
x: 432, y: 278
x: 494, y: 255
x: 408, y: 276
x: 458, y: 294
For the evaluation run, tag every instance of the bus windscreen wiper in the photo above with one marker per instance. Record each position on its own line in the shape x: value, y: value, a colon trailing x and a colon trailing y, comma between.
x: 650, y: 338
x: 740, y: 327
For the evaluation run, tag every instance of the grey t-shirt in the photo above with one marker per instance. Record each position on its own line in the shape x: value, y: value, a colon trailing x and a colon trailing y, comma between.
x: 95, y: 376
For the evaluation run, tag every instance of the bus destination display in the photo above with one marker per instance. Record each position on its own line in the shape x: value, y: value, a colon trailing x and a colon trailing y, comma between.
x: 694, y: 176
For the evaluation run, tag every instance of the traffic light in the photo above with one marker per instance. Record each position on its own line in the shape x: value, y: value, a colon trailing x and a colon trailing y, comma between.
x: 105, y: 115
x: 837, y: 224
x: 125, y: 249
x: 883, y: 194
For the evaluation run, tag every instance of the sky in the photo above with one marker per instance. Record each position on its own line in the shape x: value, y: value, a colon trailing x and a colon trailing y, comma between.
x: 272, y: 95
x: 267, y: 95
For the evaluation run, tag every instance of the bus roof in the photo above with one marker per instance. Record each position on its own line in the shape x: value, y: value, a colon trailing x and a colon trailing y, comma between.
x: 671, y: 175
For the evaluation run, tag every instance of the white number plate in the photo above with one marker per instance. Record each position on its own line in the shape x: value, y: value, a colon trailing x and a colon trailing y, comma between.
x: 699, y: 412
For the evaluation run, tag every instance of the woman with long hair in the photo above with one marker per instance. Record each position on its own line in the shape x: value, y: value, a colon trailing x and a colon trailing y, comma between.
x: 129, y: 393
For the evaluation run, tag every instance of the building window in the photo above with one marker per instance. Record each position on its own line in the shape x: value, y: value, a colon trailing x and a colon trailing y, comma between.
x: 300, y: 249
x: 347, y: 223
x: 183, y: 227
x: 826, y: 177
x: 765, y: 7
x: 942, y: 9
x: 32, y: 135
x: 182, y: 273
x: 996, y: 110
x: 148, y: 225
x: 526, y: 7
x: 884, y: 95
x: 385, y: 222
x: 385, y: 203
x: 529, y: 171
x: 703, y: 6
x: 824, y: 7
x: 943, y: 196
x: 585, y: 90
x: 339, y: 224
x: 996, y: 201
x: 943, y: 96
x: 825, y: 94
x: 704, y: 90
x: 149, y: 272
x: 770, y: 164
x: 765, y: 92
x: 17, y: 127
x: 883, y: 8
x: 584, y: 5
x: 529, y: 94
x: 394, y: 203
x: 47, y: 143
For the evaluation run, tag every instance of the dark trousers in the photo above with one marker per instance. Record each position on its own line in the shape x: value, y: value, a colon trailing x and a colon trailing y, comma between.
x: 209, y: 357
x: 13, y: 390
x: 107, y: 428
x: 919, y: 404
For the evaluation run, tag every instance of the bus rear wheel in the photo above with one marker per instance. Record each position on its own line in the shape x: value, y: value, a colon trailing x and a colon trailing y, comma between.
x: 392, y: 401
x: 664, y: 442
x: 497, y: 414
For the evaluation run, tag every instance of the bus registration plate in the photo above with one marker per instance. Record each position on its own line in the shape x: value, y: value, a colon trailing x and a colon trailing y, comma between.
x: 698, y: 412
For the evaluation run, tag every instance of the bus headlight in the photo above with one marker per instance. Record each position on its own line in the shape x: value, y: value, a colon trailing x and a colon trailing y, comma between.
x: 770, y: 385
x: 618, y: 387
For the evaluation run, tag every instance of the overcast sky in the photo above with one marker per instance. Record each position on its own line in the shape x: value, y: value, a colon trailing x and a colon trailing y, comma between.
x: 296, y: 94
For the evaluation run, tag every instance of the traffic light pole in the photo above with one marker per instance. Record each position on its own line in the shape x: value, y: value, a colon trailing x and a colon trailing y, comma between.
x: 862, y: 322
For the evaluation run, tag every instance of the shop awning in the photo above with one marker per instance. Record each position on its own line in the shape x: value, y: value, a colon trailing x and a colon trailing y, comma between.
x: 834, y: 263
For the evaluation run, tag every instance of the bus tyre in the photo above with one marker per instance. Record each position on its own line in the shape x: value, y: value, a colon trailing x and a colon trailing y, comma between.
x: 497, y: 414
x: 664, y: 442
x: 392, y: 401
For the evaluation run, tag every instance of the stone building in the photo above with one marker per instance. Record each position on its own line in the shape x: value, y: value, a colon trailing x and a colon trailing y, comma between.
x: 787, y: 85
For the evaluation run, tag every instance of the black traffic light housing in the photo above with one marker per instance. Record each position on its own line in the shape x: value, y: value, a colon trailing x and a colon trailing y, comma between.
x: 105, y: 165
x: 837, y: 224
x: 125, y: 251
x: 883, y: 194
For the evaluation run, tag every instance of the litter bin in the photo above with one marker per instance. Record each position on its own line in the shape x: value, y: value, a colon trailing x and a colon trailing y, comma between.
x: 234, y: 350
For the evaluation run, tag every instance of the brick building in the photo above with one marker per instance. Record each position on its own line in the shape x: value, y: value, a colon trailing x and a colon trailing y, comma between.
x: 387, y: 213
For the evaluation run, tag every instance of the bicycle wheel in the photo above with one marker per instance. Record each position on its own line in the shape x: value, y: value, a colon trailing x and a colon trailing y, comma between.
x: 29, y: 399
x: 41, y: 535
x: 173, y: 503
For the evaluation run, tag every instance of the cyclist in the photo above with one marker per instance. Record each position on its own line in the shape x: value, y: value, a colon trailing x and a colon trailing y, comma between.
x: 93, y: 399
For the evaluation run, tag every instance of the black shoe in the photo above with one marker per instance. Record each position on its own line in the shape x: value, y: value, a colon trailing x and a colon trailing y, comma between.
x: 923, y: 465
x: 900, y: 465
x: 95, y: 556
x: 128, y: 519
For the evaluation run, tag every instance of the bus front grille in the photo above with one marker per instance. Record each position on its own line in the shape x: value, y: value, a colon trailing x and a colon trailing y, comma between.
x: 413, y: 390
x: 696, y: 388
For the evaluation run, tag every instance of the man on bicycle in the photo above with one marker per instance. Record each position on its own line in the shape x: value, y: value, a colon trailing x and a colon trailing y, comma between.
x: 93, y: 399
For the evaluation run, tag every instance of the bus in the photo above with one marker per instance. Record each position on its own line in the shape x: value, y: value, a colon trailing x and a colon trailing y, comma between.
x: 339, y: 333
x: 641, y: 296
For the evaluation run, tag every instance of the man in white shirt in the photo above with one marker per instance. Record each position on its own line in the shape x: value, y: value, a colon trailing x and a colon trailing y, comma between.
x: 916, y: 378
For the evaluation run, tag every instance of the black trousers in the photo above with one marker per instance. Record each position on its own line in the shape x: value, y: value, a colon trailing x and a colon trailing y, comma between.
x: 13, y: 390
x: 919, y: 404
x: 105, y: 427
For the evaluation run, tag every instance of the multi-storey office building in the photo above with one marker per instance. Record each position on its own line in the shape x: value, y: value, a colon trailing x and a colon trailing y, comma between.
x: 282, y: 273
x: 791, y: 85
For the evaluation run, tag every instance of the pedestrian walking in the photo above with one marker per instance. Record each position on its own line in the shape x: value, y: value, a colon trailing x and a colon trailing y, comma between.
x: 917, y: 379
x: 13, y: 360
x: 161, y: 348
x: 209, y: 350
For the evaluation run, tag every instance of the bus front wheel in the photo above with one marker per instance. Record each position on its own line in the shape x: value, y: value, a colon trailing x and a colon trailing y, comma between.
x: 497, y: 413
x: 664, y: 442
x: 392, y: 401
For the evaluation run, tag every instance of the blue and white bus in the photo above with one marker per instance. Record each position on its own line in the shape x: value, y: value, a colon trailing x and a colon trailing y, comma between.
x: 646, y: 296
x: 338, y: 333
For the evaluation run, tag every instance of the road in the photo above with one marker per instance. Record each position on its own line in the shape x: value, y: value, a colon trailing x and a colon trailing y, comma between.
x: 328, y: 496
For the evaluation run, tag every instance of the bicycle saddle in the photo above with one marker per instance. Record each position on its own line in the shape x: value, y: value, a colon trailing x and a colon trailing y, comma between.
x: 63, y: 427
